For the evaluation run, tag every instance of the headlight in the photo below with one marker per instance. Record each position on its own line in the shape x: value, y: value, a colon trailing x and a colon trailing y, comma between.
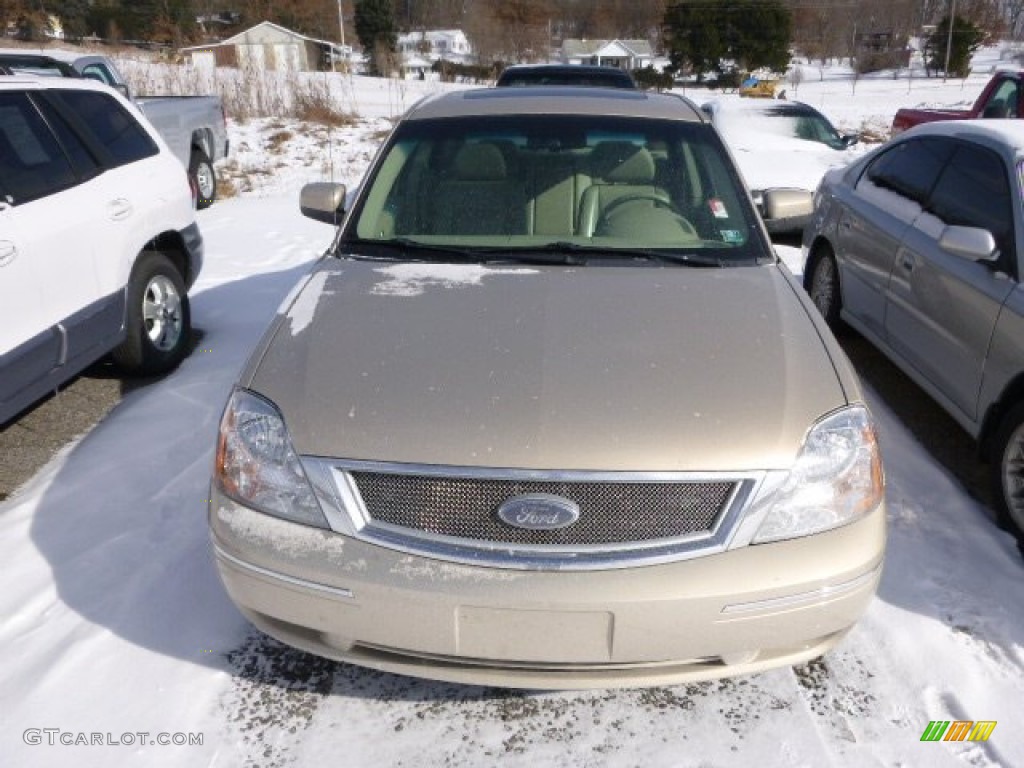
x: 257, y: 465
x: 836, y: 479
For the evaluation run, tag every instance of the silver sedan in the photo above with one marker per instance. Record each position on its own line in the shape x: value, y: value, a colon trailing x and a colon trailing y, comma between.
x: 918, y: 246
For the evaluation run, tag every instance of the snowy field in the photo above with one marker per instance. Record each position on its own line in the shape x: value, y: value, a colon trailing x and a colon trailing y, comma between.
x: 114, y: 627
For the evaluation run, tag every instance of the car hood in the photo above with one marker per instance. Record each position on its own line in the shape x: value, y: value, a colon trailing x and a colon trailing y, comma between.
x: 777, y: 161
x: 592, y: 368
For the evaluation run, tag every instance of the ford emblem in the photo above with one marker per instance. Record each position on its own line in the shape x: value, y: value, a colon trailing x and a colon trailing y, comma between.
x: 539, y: 512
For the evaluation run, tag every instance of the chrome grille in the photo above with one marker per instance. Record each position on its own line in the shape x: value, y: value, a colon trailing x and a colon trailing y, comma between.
x: 610, y: 512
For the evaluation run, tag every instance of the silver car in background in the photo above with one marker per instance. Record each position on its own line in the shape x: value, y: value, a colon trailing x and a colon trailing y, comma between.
x: 918, y: 246
x: 549, y: 414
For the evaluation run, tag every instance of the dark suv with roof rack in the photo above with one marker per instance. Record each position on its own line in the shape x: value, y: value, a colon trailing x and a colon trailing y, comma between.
x: 521, y: 75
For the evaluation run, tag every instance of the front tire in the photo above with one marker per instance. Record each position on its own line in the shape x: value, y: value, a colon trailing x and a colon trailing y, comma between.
x: 1008, y: 472
x: 823, y: 287
x: 201, y: 170
x: 158, y: 318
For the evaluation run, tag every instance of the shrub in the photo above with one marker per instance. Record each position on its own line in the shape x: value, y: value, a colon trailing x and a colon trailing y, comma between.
x: 648, y: 77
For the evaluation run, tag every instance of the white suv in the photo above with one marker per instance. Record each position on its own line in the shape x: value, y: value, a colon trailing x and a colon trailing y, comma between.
x: 98, y: 239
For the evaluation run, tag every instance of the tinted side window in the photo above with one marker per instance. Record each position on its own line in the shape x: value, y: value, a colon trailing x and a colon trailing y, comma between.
x: 110, y: 124
x: 911, y: 168
x: 85, y: 164
x: 32, y: 163
x: 974, y: 191
x: 98, y: 72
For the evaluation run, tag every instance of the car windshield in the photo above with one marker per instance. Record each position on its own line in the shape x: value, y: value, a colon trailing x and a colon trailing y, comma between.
x: 789, y: 120
x: 555, y: 185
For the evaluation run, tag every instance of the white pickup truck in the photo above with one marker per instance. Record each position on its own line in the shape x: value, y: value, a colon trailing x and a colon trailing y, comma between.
x: 193, y: 127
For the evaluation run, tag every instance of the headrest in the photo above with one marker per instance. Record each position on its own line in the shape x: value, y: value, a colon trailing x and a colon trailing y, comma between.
x: 622, y: 162
x: 479, y: 162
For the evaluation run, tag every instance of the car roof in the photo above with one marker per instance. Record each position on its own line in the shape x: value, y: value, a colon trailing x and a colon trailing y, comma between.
x: 42, y: 82
x: 68, y: 57
x: 1007, y: 132
x: 568, y: 71
x: 15, y: 60
x: 561, y: 68
x: 556, y: 100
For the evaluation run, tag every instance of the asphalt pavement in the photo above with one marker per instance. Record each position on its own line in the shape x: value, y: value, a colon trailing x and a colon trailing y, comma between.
x: 29, y: 441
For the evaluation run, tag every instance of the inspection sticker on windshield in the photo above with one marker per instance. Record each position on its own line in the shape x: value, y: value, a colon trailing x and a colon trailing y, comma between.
x: 718, y: 208
x: 731, y: 235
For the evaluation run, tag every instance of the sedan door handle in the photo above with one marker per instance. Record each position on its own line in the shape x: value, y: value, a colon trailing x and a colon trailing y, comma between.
x: 119, y: 209
x: 907, y: 262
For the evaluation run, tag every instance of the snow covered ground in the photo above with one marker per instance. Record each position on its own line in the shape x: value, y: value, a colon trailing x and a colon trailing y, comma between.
x: 115, y: 629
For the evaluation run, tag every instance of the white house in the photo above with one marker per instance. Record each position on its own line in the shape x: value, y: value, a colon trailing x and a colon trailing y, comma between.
x: 430, y: 45
x: 625, y: 54
x: 268, y: 46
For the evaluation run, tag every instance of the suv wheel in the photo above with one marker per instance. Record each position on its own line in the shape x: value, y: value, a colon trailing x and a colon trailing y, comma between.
x: 157, y: 318
x: 201, y: 170
x: 1008, y: 471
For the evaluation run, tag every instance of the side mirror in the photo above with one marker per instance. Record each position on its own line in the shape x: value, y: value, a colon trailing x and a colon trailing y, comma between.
x: 970, y: 243
x: 784, y: 203
x: 849, y: 139
x: 122, y: 89
x: 323, y: 201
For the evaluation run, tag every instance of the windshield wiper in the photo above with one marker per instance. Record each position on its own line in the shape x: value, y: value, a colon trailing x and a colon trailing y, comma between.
x: 559, y: 252
x: 562, y: 252
x: 407, y: 249
x: 665, y: 257
x: 571, y: 254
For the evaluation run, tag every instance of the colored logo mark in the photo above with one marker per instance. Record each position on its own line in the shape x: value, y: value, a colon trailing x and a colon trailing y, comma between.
x: 958, y: 730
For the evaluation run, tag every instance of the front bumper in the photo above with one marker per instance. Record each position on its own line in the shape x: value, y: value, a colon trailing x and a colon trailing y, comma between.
x: 738, y: 612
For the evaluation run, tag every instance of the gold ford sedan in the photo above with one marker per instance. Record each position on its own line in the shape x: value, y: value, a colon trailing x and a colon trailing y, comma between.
x: 549, y: 414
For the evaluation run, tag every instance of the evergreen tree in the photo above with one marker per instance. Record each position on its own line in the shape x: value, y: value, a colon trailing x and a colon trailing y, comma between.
x: 967, y: 38
x: 377, y: 33
x: 692, y: 38
x: 718, y: 35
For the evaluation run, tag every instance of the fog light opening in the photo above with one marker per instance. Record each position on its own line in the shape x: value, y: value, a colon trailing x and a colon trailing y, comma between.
x: 739, y: 657
x: 336, y: 641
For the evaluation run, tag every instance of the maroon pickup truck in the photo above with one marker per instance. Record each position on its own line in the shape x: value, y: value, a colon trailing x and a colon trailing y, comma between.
x: 1001, y: 98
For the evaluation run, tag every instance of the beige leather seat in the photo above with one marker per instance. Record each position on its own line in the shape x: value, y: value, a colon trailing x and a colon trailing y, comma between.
x: 478, y: 197
x: 622, y: 172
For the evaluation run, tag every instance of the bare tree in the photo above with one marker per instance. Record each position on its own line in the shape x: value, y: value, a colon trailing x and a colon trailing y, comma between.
x: 509, y: 30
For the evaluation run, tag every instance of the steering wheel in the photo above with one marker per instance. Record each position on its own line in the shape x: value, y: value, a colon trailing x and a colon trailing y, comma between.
x: 658, y: 201
x: 650, y: 197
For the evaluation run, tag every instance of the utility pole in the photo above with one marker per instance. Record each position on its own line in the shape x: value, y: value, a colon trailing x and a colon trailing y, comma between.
x: 341, y: 33
x: 949, y: 40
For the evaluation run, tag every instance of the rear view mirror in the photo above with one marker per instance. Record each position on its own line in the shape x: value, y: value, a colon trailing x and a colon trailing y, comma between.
x: 971, y: 243
x: 323, y: 201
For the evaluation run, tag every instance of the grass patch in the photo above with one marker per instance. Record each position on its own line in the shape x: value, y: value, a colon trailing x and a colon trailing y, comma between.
x: 248, y: 93
x: 277, y: 140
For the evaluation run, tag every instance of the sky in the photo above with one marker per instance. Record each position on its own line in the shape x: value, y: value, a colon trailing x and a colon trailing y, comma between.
x: 114, y: 625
